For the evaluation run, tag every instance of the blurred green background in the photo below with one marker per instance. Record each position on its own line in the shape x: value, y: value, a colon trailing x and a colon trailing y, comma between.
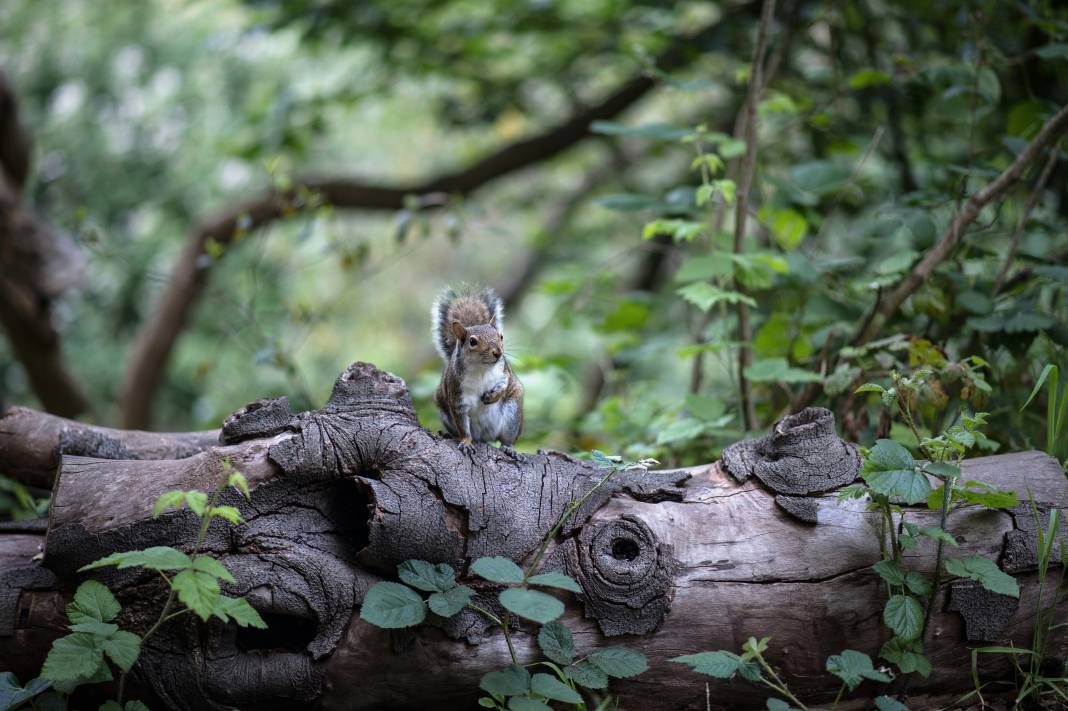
x: 880, y: 118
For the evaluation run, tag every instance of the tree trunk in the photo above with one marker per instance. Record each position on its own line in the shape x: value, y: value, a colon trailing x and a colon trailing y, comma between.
x: 670, y: 562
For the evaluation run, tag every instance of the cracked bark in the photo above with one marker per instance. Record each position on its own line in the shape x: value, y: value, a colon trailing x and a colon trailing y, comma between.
x: 671, y: 562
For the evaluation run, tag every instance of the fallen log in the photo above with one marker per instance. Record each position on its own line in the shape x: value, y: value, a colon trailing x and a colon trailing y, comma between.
x: 671, y: 562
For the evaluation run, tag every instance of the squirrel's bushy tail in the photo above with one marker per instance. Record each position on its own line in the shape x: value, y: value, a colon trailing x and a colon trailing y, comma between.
x: 468, y: 306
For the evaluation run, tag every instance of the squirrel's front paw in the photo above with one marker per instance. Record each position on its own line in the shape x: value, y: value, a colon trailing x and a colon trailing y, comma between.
x: 465, y: 446
x: 493, y: 394
x: 510, y: 452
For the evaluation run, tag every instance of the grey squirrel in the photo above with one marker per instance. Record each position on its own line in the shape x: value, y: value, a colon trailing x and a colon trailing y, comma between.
x: 479, y: 398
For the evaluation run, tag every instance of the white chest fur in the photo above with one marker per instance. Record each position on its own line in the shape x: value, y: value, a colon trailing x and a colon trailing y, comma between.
x: 487, y: 421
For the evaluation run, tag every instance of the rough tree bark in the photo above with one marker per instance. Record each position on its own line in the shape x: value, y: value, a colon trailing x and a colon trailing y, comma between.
x: 670, y: 562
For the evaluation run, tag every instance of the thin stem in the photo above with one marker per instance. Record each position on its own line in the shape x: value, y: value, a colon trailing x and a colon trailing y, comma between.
x: 504, y: 626
x: 947, y: 498
x: 841, y: 690
x: 779, y: 685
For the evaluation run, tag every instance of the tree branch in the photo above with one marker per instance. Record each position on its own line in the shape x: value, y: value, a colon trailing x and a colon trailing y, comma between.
x: 1050, y: 133
x: 160, y: 330
x: 1032, y: 201
x: 741, y: 210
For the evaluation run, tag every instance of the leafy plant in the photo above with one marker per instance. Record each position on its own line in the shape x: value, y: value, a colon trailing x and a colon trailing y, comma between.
x: 393, y: 605
x: 1056, y: 411
x: 95, y: 640
x: 851, y: 666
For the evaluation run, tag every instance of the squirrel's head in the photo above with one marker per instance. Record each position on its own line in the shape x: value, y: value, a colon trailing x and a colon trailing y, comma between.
x: 479, y: 344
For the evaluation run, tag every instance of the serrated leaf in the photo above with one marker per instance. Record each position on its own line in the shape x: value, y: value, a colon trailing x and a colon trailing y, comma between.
x: 197, y: 501
x: 904, y: 615
x: 135, y: 705
x: 196, y: 590
x: 907, y: 655
x: 510, y: 681
x: 155, y: 558
x: 704, y: 295
x: 870, y: 388
x: 239, y: 610
x: 853, y: 667
x: 986, y: 573
x: 123, y: 648
x: 705, y: 266
x: 392, y: 606
x: 425, y: 576
x: 73, y: 656
x: 557, y: 642
x: 93, y: 601
x: 585, y: 674
x: 168, y: 500
x: 99, y: 676
x: 721, y: 665
x: 942, y: 470
x: 890, y: 571
x: 531, y: 604
x: 773, y: 704
x: 211, y: 566
x: 97, y: 629
x: 451, y: 601
x: 227, y: 513
x: 497, y: 569
x: 552, y: 688
x: 619, y: 662
x: 938, y: 534
x: 239, y: 482
x: 917, y: 583
x: 909, y: 485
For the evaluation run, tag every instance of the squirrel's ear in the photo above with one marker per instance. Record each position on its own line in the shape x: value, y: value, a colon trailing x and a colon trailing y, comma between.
x: 493, y: 319
x: 458, y: 330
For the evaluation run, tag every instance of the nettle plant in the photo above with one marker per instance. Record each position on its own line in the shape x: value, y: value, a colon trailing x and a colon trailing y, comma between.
x: 95, y: 642
x: 393, y: 605
x: 851, y: 666
x: 893, y: 478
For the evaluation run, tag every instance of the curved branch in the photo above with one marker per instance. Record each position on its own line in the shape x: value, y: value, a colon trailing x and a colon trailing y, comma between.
x: 1050, y: 133
x: 160, y: 331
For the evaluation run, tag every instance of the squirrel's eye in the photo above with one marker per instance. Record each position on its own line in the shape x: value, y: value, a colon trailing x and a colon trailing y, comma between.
x: 473, y: 342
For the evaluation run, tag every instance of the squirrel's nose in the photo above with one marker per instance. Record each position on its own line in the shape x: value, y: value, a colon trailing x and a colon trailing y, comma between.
x: 497, y: 353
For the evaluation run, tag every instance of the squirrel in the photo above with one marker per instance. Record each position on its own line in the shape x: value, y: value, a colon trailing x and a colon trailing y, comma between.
x: 480, y: 398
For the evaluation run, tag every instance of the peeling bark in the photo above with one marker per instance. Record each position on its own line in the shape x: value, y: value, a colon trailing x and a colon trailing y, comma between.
x: 671, y: 562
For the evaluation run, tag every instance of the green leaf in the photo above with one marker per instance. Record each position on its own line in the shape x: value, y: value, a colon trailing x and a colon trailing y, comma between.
x: 557, y: 642
x: 904, y: 615
x: 777, y: 705
x: 168, y: 500
x: 531, y: 604
x: 93, y: 601
x: 451, y: 601
x: 991, y: 498
x: 426, y: 576
x: 13, y: 694
x: 100, y: 675
x: 917, y: 583
x: 228, y: 513
x: 511, y: 681
x: 1053, y: 50
x: 890, y: 470
x: 938, y: 533
x: 942, y: 470
x: 789, y: 228
x: 681, y: 430
x: 769, y: 370
x: 238, y: 609
x: 887, y: 703
x: 721, y: 665
x: 853, y: 667
x: 208, y: 564
x: 525, y: 703
x: 907, y: 655
x: 870, y: 388
x: 555, y: 580
x: 585, y: 674
x: 868, y: 77
x: 704, y: 295
x: 488, y: 703
x: 619, y: 662
x: 155, y: 558
x: 73, y: 656
x: 628, y: 202
x: 890, y: 571
x: 239, y: 482
x: 97, y: 629
x: 110, y: 706
x: 986, y: 573
x: 123, y: 648
x: 552, y: 688
x: 497, y: 569
x: 196, y: 590
x: 136, y: 705
x: 197, y: 501
x: 392, y: 606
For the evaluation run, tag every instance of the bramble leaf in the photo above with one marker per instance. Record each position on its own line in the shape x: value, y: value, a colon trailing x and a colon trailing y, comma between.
x: 904, y: 615
x: 585, y: 674
x: 73, y: 656
x: 853, y: 667
x: 557, y: 642
x: 986, y: 573
x: 196, y: 590
x: 451, y: 601
x: 555, y: 580
x: 552, y: 688
x: 532, y: 604
x: 123, y: 648
x: 510, y: 681
x: 392, y: 606
x: 497, y: 569
x: 239, y: 610
x: 93, y: 601
x: 426, y: 576
x: 619, y: 662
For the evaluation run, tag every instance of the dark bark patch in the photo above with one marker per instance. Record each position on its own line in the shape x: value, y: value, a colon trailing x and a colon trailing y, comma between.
x: 986, y: 614
x: 626, y: 575
x: 262, y: 418
x: 13, y: 582
x: 802, y: 508
x: 802, y: 455
x: 1020, y: 551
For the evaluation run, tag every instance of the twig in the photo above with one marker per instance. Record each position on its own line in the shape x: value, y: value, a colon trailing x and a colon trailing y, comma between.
x: 741, y: 210
x: 1032, y: 201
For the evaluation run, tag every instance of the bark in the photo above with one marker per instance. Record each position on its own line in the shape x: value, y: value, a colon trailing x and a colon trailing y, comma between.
x: 159, y: 332
x: 37, y: 264
x: 670, y: 562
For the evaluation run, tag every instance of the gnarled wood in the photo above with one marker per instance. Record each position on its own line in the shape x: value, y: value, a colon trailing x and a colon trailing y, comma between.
x: 671, y: 562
